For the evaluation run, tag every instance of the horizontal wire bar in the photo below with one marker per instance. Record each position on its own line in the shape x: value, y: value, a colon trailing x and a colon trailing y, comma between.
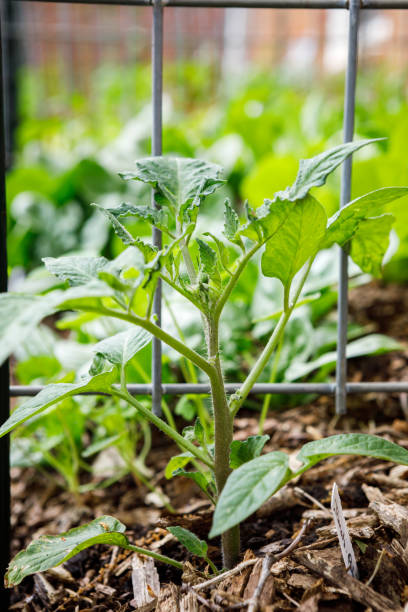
x: 278, y: 4
x: 258, y: 389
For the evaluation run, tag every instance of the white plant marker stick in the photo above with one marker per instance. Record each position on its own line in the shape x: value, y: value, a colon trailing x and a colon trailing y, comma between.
x: 343, y: 533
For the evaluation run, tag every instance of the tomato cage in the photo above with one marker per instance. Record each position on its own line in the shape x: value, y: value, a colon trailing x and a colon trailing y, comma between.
x: 340, y: 388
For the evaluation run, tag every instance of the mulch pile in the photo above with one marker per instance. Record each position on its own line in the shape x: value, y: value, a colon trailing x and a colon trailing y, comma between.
x: 291, y: 558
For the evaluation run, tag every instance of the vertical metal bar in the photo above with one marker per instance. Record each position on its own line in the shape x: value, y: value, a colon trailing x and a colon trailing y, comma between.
x: 157, y: 98
x: 348, y: 130
x: 4, y: 370
x: 11, y: 14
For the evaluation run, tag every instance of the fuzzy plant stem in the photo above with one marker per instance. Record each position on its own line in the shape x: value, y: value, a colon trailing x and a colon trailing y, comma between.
x: 154, y: 555
x: 223, y: 430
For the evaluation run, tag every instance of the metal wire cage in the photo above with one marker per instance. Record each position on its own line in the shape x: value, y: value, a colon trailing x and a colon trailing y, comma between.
x: 156, y: 389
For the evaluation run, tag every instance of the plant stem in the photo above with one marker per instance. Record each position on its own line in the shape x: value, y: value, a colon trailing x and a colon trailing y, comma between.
x: 164, y: 427
x: 240, y: 396
x: 272, y: 379
x: 191, y: 271
x: 242, y: 262
x: 189, y: 372
x: 156, y: 331
x: 157, y: 556
x: 223, y: 430
x: 180, y: 290
x: 165, y: 406
x: 211, y: 564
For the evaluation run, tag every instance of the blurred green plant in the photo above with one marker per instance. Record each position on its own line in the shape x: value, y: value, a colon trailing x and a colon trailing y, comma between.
x: 287, y: 233
x: 257, y: 130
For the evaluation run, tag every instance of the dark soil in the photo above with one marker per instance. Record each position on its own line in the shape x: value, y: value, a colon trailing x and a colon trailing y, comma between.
x: 312, y: 577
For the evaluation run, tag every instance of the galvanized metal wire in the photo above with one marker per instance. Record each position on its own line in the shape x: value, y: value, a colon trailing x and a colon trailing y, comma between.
x: 258, y: 389
x: 157, y: 99
x: 348, y: 131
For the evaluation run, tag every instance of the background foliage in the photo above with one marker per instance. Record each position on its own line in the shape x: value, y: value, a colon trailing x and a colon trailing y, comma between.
x: 257, y: 130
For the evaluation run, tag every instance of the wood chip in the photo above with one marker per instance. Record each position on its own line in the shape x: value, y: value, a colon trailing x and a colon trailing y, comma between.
x: 361, y: 527
x: 373, y: 493
x: 60, y: 573
x: 320, y: 515
x: 45, y: 590
x: 310, y: 605
x: 394, y: 516
x: 268, y: 589
x: 159, y: 543
x: 122, y: 567
x: 338, y: 576
x: 302, y: 581
x: 145, y: 583
x: 189, y: 603
x: 235, y: 585
x: 169, y: 598
x: 105, y: 589
x: 282, y: 500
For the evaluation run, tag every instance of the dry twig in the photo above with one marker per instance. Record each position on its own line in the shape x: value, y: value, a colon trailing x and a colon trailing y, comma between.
x: 377, y: 567
x: 268, y: 561
x: 221, y: 577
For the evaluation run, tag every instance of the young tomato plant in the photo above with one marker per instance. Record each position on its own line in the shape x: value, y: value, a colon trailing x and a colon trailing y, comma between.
x: 289, y: 230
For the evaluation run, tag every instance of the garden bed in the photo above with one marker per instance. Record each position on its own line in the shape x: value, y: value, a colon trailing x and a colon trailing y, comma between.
x: 311, y: 577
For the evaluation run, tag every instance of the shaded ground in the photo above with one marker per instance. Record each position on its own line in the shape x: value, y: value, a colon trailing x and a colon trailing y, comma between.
x: 311, y: 578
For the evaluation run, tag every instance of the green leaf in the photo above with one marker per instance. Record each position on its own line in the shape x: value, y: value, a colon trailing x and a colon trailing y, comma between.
x: 113, y: 281
x: 362, y: 545
x: 351, y: 444
x: 199, y: 432
x: 244, y: 451
x: 295, y: 241
x: 190, y: 541
x: 52, y: 394
x: 231, y: 221
x: 247, y: 488
x: 301, y: 302
x: 222, y: 251
x: 38, y: 366
x: 201, y: 480
x: 100, y: 445
x: 122, y: 347
x: 19, y: 314
x: 314, y: 171
x: 77, y: 269
x: 51, y: 551
x: 208, y: 258
x: 373, y: 344
x: 177, y: 462
x: 178, y: 180
x: 188, y: 433
x: 128, y: 259
x: 370, y: 243
x: 185, y: 408
x: 267, y: 220
x: 146, y: 213
x: 345, y: 222
x: 119, y: 229
x: 83, y: 296
x: 149, y: 252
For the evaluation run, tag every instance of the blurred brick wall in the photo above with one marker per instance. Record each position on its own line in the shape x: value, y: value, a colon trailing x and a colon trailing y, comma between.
x: 78, y: 38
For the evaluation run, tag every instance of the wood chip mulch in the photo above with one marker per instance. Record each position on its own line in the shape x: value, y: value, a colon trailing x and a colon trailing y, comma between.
x: 291, y: 558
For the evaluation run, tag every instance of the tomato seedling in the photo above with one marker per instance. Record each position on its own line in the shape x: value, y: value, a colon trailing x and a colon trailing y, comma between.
x: 288, y: 230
